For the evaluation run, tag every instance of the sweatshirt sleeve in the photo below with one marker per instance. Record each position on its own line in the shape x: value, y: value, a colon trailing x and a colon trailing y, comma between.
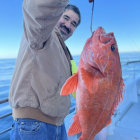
x: 40, y: 18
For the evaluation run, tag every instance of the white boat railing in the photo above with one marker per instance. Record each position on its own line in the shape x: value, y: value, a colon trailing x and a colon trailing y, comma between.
x: 4, y: 116
x: 131, y: 69
x: 131, y: 84
x: 135, y: 61
x: 120, y: 118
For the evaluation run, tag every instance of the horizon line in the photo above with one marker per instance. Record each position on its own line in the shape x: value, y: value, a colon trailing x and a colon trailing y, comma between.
x: 75, y: 54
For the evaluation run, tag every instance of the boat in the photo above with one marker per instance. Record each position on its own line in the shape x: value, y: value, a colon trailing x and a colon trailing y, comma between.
x: 125, y: 121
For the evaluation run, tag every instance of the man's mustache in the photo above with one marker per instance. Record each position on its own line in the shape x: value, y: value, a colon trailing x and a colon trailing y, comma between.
x: 64, y: 27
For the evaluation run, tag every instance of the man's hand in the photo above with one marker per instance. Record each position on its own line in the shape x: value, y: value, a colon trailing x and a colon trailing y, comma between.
x: 91, y: 0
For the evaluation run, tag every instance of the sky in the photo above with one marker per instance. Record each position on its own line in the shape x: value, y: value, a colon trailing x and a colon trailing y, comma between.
x: 119, y: 16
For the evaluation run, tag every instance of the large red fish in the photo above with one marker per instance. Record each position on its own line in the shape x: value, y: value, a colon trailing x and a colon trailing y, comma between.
x: 98, y: 84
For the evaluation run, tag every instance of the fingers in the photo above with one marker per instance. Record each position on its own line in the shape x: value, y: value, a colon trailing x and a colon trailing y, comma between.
x: 91, y: 0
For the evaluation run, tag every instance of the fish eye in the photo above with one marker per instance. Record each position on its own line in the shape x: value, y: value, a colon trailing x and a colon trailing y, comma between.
x: 112, y: 48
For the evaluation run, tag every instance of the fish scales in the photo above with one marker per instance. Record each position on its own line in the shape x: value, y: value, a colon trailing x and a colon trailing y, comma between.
x: 98, y: 85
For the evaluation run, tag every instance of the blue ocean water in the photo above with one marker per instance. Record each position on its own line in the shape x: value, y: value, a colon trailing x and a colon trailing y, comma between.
x: 129, y: 70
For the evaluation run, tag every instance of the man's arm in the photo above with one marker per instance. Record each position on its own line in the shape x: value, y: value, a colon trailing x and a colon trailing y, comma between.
x: 39, y: 19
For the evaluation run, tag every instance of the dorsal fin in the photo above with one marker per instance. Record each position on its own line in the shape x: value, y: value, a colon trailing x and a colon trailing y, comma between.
x: 120, y: 96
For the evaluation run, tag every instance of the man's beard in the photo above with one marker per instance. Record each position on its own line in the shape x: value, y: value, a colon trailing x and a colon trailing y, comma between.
x: 65, y: 28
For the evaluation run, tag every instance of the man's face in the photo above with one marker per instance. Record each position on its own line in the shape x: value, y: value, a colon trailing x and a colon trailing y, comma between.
x: 68, y: 23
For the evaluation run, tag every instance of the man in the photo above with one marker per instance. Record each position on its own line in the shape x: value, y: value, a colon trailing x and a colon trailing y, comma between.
x: 42, y: 67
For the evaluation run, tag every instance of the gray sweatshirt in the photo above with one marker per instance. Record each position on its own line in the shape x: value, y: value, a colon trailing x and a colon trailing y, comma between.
x: 42, y: 66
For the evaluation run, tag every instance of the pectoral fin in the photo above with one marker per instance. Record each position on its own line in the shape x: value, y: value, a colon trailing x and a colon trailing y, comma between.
x: 88, y: 80
x: 70, y: 86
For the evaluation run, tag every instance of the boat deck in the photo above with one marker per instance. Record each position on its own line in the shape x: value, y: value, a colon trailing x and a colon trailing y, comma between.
x: 129, y: 126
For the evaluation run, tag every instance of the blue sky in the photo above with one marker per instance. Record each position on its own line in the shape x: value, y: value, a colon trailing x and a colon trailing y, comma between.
x: 119, y: 16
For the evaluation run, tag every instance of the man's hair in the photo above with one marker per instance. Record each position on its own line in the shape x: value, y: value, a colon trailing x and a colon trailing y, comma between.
x: 75, y: 9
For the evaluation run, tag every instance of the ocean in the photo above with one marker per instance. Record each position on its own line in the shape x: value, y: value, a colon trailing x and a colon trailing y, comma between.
x: 129, y: 70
